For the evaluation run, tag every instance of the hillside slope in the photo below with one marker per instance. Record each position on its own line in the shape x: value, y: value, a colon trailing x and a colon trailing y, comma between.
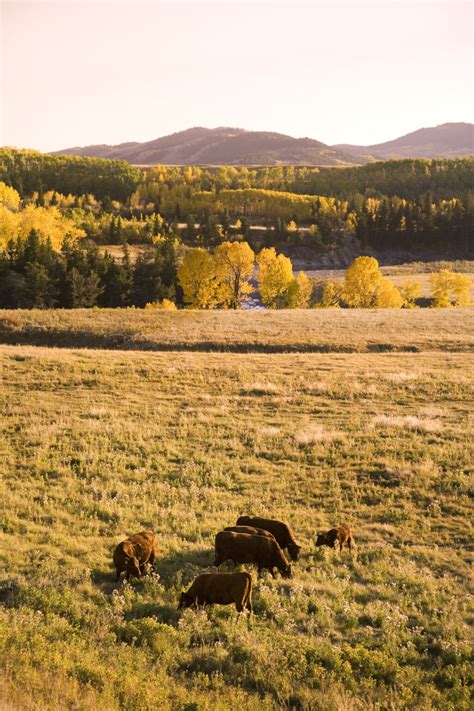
x: 446, y: 141
x: 236, y: 146
x: 222, y: 146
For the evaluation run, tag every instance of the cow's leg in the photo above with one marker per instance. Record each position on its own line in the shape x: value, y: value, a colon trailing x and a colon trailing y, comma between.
x: 218, y: 560
x: 119, y: 573
x: 248, y: 601
x: 152, y: 559
x: 272, y: 571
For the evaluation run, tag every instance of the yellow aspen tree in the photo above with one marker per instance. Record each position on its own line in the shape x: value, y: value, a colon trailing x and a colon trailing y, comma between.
x: 441, y: 283
x: 410, y: 291
x: 274, y: 276
x: 9, y: 197
x: 362, y: 280
x: 332, y: 295
x: 299, y: 292
x: 48, y: 222
x: 461, y: 289
x: 388, y: 296
x: 198, y: 279
x: 234, y: 267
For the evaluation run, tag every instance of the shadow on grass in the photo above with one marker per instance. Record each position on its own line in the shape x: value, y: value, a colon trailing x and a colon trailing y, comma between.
x: 182, y: 567
x: 173, y: 569
x: 57, y: 338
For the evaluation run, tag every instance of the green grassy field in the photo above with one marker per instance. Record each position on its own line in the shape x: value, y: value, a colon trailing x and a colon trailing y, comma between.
x: 100, y: 444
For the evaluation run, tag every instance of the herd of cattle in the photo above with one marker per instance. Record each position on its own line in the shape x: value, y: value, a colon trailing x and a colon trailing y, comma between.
x: 253, y: 540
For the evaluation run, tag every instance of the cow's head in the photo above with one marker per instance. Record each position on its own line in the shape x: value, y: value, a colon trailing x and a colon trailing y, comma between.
x: 185, y: 600
x: 287, y: 572
x: 294, y: 550
x: 243, y: 521
x: 321, y: 539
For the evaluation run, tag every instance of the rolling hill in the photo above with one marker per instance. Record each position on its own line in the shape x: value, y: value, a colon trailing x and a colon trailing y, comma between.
x: 450, y: 140
x: 223, y: 146
x: 236, y: 146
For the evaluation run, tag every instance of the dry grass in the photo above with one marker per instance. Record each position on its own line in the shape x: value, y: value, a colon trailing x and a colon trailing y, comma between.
x: 316, y: 330
x: 97, y: 445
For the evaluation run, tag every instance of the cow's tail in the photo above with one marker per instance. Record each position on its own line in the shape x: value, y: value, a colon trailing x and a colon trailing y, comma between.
x: 247, y: 602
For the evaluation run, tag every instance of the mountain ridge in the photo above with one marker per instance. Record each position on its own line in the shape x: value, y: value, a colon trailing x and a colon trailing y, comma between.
x: 236, y: 146
x: 448, y: 140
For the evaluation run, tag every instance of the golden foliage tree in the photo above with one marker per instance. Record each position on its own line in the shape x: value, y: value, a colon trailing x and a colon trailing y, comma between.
x: 275, y: 274
x: 448, y: 289
x: 9, y: 198
x: 441, y: 288
x: 461, y: 290
x: 410, y: 291
x: 48, y: 222
x: 332, y: 294
x: 234, y: 268
x: 388, y: 296
x: 299, y: 292
x: 198, y: 279
x: 362, y: 280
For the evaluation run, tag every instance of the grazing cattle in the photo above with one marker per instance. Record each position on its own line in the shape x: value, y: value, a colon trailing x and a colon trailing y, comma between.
x: 341, y: 534
x: 219, y: 589
x: 245, y: 548
x: 282, y: 533
x: 132, y: 555
x: 251, y: 530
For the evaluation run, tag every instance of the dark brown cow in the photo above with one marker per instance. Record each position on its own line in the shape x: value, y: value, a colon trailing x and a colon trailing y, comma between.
x: 341, y: 534
x: 219, y: 589
x: 132, y: 555
x: 281, y: 531
x: 245, y: 548
x: 251, y: 530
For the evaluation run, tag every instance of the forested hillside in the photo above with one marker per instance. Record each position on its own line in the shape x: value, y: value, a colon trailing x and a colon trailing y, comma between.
x: 29, y: 171
x: 55, y: 211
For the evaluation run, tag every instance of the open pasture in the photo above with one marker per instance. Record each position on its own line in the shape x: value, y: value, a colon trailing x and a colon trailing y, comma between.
x: 267, y: 331
x: 100, y: 444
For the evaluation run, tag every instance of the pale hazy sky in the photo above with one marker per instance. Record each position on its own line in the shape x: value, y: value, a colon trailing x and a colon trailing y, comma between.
x: 76, y: 73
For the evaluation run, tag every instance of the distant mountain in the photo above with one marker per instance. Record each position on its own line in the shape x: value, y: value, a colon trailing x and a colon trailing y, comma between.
x: 223, y: 146
x: 450, y: 140
x: 235, y: 146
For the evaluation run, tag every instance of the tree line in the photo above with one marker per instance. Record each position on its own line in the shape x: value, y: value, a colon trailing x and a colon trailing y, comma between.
x: 33, y: 274
x: 427, y: 204
x: 30, y: 171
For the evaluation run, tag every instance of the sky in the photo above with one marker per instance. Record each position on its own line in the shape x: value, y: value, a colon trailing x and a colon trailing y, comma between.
x: 80, y: 73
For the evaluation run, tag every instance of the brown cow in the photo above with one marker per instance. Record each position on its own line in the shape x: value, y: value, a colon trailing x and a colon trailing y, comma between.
x: 282, y: 533
x: 245, y: 548
x: 341, y: 534
x: 132, y: 555
x: 219, y: 589
x: 251, y: 530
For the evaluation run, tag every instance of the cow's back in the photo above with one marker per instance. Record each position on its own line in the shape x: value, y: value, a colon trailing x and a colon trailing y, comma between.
x: 278, y: 529
x: 251, y: 530
x: 247, y: 547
